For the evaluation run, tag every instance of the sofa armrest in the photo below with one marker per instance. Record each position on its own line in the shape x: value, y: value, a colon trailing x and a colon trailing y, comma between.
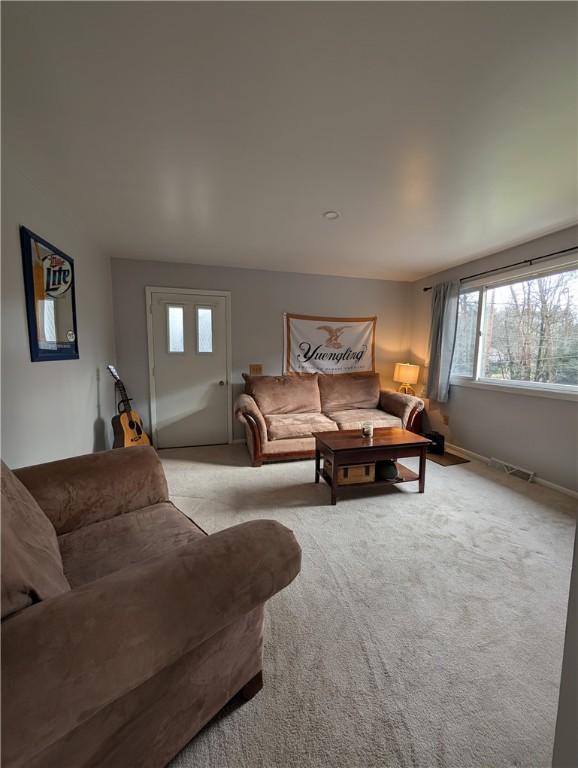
x: 249, y: 414
x: 87, y: 489
x: 247, y: 406
x: 66, y: 658
x: 405, y: 407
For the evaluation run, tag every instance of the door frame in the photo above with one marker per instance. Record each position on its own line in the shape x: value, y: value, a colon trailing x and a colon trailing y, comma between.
x: 150, y: 292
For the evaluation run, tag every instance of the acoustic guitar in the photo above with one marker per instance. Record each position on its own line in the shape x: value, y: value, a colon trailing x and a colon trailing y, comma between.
x: 127, y: 424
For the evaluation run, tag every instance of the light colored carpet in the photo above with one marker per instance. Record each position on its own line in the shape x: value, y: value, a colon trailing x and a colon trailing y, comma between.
x: 424, y: 630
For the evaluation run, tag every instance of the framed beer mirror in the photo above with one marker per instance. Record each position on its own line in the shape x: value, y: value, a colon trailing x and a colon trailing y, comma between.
x: 50, y: 299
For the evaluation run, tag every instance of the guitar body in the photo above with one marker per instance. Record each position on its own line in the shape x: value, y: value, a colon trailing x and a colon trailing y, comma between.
x: 128, y: 430
x: 127, y: 425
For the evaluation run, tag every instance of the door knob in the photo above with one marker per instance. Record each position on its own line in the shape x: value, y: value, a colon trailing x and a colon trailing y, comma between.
x: 221, y: 383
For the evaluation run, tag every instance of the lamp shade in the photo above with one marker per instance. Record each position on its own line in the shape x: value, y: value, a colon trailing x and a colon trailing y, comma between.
x: 406, y: 373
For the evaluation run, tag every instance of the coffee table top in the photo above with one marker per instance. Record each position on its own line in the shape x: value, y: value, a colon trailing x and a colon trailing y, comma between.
x: 384, y: 437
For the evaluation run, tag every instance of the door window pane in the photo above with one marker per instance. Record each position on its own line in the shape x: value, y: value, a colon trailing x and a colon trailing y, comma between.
x: 464, y: 350
x: 176, y: 334
x: 204, y: 329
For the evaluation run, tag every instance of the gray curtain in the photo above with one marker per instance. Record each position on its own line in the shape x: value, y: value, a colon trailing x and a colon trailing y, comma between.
x: 444, y: 320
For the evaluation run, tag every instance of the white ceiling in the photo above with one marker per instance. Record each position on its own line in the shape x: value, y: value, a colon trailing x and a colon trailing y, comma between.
x: 218, y: 133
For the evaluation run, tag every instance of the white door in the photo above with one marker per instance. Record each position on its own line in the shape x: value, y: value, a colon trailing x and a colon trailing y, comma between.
x: 188, y: 347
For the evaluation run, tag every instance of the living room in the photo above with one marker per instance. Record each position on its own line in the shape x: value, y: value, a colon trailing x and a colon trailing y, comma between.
x: 391, y: 184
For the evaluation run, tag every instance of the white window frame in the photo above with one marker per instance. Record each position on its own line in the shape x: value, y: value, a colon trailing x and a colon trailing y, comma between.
x: 540, y: 389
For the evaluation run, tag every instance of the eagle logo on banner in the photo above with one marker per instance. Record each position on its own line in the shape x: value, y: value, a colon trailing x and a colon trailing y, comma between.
x: 333, y: 335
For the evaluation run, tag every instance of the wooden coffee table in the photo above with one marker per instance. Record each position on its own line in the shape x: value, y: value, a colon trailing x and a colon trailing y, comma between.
x: 348, y: 447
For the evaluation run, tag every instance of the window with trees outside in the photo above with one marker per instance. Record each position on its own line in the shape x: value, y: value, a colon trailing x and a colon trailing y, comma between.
x: 522, y: 332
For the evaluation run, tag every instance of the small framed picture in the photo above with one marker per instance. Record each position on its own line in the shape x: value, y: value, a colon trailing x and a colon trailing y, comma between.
x: 50, y: 299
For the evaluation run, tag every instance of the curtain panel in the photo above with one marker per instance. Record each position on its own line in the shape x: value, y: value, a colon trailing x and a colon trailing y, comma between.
x: 442, y: 339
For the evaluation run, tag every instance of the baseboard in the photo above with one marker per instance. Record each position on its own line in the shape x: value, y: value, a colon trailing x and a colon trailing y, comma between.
x: 556, y: 487
x: 237, y: 441
x: 466, y: 454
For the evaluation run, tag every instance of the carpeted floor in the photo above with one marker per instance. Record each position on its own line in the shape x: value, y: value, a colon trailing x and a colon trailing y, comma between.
x: 423, y: 631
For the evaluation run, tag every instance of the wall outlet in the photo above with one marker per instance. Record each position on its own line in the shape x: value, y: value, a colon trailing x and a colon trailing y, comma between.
x: 446, y: 419
x: 255, y: 369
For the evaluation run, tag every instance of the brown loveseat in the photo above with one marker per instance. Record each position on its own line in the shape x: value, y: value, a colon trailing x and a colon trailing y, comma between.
x: 125, y: 627
x: 280, y: 413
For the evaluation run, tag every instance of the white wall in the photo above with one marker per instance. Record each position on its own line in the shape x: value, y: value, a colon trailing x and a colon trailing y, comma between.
x: 50, y: 409
x: 538, y: 433
x: 259, y: 298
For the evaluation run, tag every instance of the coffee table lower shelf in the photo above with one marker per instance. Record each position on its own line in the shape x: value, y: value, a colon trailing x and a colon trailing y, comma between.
x: 405, y: 476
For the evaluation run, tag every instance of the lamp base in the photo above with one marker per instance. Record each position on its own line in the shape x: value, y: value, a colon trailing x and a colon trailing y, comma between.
x: 406, y: 389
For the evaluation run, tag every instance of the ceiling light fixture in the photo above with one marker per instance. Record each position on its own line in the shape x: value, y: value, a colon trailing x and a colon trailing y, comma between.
x: 331, y: 215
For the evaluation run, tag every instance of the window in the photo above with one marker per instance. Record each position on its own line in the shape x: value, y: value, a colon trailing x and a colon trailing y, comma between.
x: 204, y: 330
x: 175, y: 324
x: 521, y: 332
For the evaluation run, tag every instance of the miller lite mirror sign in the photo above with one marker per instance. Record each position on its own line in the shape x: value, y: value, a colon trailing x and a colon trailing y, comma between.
x: 50, y: 299
x: 329, y: 344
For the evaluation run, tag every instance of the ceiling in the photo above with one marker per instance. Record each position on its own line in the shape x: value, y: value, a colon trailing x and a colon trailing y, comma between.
x: 218, y: 133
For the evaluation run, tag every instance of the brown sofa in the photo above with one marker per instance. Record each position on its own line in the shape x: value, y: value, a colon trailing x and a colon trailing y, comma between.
x: 280, y: 413
x: 125, y: 628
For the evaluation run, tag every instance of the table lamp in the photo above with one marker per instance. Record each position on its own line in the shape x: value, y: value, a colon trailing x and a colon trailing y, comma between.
x: 406, y: 374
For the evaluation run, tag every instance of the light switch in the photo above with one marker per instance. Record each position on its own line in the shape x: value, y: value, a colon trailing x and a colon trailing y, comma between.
x: 255, y: 369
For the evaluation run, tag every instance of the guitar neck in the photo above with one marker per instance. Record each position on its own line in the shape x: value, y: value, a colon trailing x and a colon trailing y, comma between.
x: 124, y: 399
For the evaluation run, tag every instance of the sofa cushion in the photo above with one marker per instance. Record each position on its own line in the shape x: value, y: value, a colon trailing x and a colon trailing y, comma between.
x: 110, y: 545
x: 349, y: 390
x: 31, y: 562
x: 352, y: 418
x: 284, y: 394
x: 282, y: 426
